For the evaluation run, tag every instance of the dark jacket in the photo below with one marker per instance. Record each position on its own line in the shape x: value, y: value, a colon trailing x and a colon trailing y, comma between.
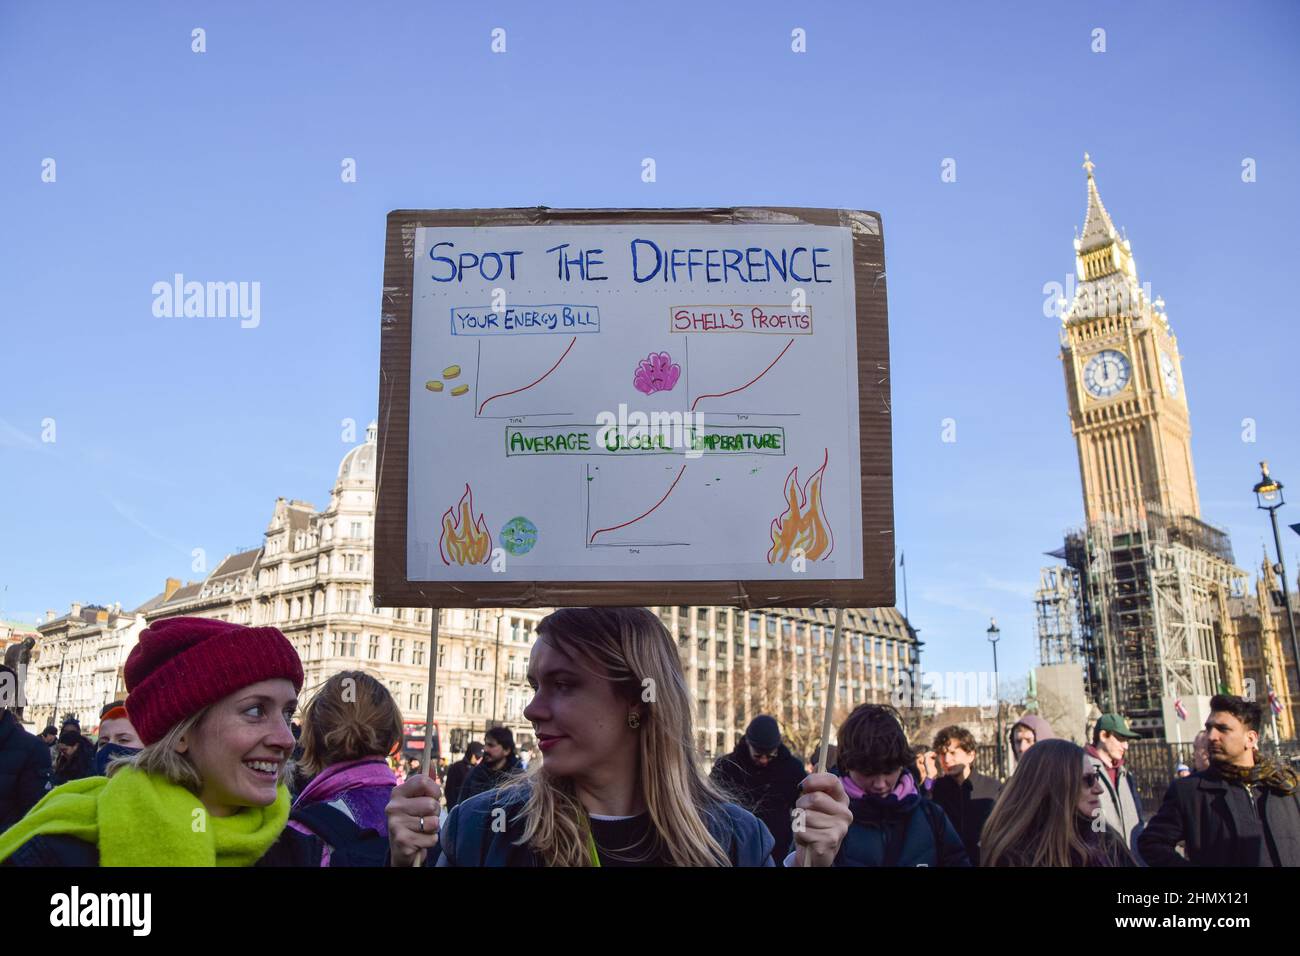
x: 24, y: 770
x: 82, y: 764
x: 468, y: 837
x: 457, y: 774
x: 483, y: 778
x: 968, y: 805
x: 767, y: 792
x: 1221, y: 825
x: 291, y: 849
x: 913, y: 831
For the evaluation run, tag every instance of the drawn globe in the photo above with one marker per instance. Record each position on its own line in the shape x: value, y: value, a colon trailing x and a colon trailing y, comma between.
x: 519, y: 535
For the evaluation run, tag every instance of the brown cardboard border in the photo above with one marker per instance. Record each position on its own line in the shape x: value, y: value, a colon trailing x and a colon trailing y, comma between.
x: 874, y: 589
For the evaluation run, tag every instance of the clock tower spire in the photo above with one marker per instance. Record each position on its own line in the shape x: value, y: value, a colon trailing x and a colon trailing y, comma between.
x: 1127, y: 404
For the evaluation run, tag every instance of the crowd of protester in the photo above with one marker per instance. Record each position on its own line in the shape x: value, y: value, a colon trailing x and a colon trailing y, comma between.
x: 203, y: 765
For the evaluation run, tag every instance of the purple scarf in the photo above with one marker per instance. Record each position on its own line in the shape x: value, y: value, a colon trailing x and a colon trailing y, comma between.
x: 363, y: 785
x: 341, y: 777
x: 905, y: 787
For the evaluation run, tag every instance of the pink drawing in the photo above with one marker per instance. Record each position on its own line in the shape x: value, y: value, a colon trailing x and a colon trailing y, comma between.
x: 657, y: 372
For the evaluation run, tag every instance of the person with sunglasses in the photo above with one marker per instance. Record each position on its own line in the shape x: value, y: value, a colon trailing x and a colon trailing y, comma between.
x: 1050, y: 814
x: 1120, y: 803
x: 763, y: 776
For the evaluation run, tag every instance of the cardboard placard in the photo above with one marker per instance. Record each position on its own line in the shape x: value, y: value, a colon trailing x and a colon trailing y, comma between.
x: 628, y: 407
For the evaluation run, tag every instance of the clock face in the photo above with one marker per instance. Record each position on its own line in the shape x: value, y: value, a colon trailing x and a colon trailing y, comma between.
x: 1169, y: 374
x: 1106, y: 374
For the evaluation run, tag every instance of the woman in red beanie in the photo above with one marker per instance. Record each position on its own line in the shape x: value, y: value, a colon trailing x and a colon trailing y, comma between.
x: 211, y: 701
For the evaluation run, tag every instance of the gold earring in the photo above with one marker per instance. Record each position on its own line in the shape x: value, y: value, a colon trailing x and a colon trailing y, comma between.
x: 634, y: 720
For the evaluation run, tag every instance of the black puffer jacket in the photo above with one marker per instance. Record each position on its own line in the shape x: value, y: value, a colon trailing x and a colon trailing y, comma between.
x: 767, y: 792
x: 24, y: 770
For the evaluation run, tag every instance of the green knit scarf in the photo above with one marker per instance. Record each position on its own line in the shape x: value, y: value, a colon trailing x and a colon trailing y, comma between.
x: 1274, y: 777
x: 138, y: 819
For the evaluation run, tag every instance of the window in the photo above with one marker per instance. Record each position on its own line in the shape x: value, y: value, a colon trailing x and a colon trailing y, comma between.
x: 417, y: 652
x: 373, y: 653
x: 422, y: 615
x: 478, y: 695
x: 398, y: 649
x: 442, y: 656
x: 416, y: 698
x: 357, y: 531
x: 352, y: 563
x: 478, y: 620
x: 348, y: 644
x: 514, y: 629
x: 512, y: 672
x: 351, y: 598
x: 480, y: 658
x: 466, y: 649
x: 464, y: 700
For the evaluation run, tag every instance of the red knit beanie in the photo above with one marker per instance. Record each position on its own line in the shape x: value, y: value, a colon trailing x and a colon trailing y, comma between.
x: 184, y: 664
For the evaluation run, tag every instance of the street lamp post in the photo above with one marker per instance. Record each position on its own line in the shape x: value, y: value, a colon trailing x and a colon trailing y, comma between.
x: 993, y: 634
x: 1268, y: 494
x: 496, y: 668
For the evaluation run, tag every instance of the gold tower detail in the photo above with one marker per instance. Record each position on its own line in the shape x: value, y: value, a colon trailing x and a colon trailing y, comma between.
x: 1128, y: 408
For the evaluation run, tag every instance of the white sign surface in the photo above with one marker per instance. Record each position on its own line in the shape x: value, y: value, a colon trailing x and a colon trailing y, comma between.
x: 634, y: 402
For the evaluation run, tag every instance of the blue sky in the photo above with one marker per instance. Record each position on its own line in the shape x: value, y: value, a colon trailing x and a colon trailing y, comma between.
x: 176, y: 434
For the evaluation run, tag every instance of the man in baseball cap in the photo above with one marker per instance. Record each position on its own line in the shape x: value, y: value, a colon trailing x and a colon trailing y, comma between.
x: 1120, y: 807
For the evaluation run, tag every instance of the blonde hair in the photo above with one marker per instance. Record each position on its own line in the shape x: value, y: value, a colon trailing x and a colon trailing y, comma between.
x: 345, y: 722
x: 162, y: 758
x: 1036, y: 821
x: 631, y: 648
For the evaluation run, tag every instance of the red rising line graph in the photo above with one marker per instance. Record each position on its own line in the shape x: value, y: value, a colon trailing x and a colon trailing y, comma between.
x: 531, y: 384
x: 639, y: 517
x: 747, y: 384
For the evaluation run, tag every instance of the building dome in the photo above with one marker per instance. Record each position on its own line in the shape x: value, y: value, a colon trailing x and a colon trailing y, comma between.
x: 359, y: 463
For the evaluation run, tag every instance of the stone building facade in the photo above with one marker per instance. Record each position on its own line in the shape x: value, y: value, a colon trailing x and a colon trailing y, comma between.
x: 312, y: 578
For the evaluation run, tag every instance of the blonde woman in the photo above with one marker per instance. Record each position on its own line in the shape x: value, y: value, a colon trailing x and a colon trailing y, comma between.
x: 1049, y: 814
x: 211, y: 703
x: 618, y: 784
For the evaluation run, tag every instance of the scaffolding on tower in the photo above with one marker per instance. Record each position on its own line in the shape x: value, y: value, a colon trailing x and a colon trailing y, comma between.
x: 1056, y: 606
x: 1151, y: 600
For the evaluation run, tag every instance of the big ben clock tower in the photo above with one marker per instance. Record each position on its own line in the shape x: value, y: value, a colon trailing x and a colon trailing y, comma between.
x: 1153, y: 578
x: 1128, y: 406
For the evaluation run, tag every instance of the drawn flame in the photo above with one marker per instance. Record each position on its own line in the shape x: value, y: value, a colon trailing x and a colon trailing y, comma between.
x: 803, y: 525
x: 464, y: 539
